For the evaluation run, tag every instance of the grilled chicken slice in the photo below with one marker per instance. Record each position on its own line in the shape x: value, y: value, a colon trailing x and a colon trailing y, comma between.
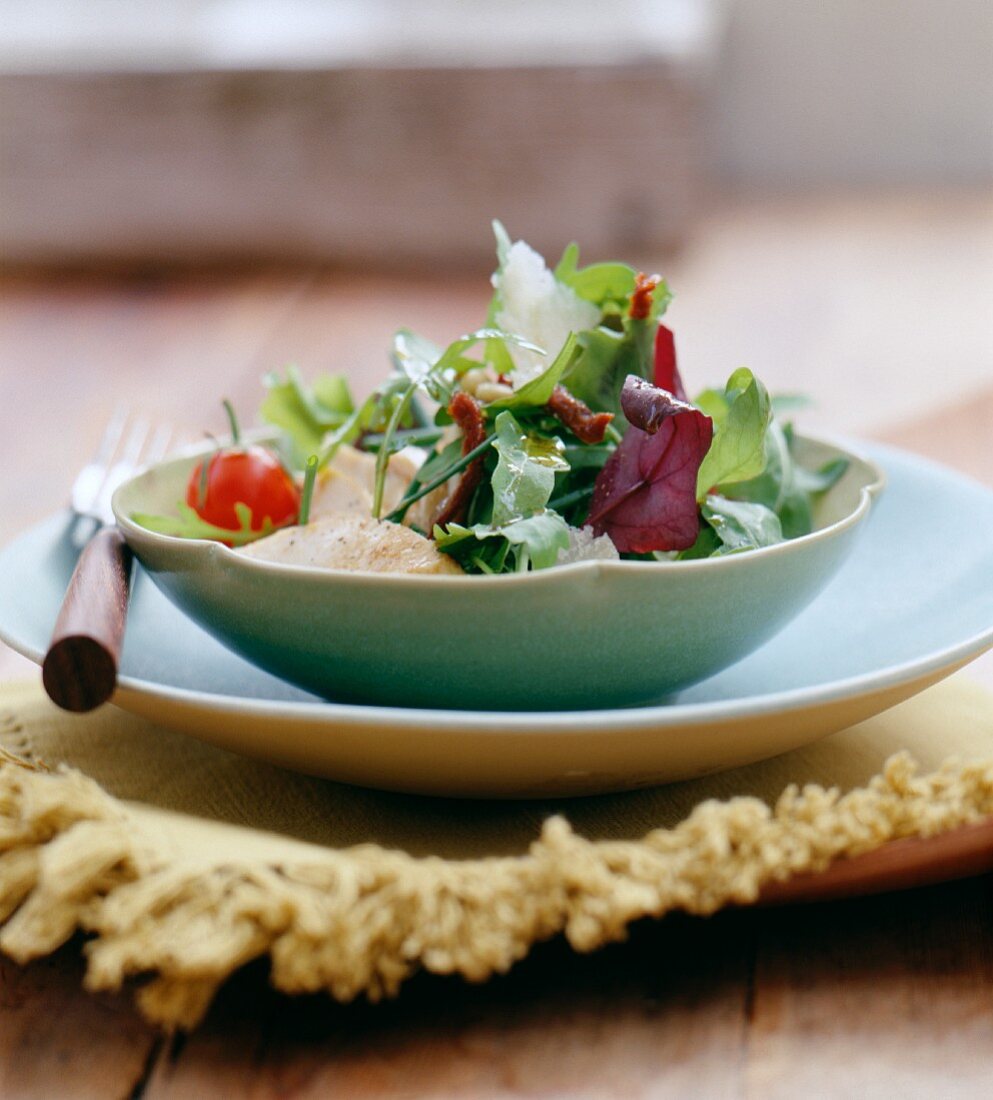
x: 355, y: 542
x: 346, y: 487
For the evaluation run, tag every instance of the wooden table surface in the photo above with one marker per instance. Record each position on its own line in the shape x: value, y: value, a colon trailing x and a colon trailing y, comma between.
x: 877, y: 307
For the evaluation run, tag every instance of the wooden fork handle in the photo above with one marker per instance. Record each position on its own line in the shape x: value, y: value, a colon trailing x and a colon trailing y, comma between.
x: 80, y: 669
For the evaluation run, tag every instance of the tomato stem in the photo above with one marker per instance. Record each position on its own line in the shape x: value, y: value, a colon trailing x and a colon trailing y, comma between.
x: 233, y: 421
x: 307, y: 494
x: 204, y: 474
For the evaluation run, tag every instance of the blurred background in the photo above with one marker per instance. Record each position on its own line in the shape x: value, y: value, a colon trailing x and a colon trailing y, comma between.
x: 193, y: 192
x: 389, y: 132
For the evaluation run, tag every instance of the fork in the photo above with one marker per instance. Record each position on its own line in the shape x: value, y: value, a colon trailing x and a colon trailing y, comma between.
x: 80, y: 668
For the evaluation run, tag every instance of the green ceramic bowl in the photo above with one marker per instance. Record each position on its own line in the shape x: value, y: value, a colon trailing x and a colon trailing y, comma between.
x: 587, y: 635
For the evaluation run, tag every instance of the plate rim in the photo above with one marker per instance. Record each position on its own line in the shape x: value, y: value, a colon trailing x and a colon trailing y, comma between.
x: 658, y: 716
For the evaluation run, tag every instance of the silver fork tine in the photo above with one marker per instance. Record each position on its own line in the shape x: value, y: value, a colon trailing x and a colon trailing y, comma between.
x: 122, y: 468
x: 112, y: 435
x: 152, y: 450
x: 158, y: 448
x: 86, y: 487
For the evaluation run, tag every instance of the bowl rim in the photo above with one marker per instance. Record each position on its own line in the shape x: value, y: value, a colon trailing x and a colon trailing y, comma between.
x: 206, y: 549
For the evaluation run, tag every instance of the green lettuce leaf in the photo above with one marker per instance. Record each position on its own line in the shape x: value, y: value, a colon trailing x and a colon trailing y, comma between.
x: 741, y: 418
x: 188, y: 525
x: 741, y: 525
x: 524, y: 477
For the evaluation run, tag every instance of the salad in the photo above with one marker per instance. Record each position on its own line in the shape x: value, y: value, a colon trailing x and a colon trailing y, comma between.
x: 559, y: 431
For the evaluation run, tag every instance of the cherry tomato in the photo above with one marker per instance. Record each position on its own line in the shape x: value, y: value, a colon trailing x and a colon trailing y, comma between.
x: 244, y: 475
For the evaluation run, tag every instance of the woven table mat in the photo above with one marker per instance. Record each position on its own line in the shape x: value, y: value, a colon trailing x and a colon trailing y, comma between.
x: 183, y: 862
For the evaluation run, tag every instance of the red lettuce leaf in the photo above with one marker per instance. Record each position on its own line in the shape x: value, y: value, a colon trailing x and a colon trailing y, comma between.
x: 645, y: 496
x: 666, y: 374
x: 646, y: 406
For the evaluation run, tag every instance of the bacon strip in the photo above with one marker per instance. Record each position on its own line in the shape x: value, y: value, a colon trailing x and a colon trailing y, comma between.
x: 466, y: 413
x: 577, y: 416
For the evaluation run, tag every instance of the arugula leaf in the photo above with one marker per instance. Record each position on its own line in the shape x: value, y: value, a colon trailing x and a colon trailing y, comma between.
x: 819, y: 481
x: 439, y: 461
x: 785, y: 403
x: 607, y: 285
x: 331, y: 393
x: 741, y: 525
x: 421, y: 366
x: 496, y: 353
x: 414, y: 356
x: 533, y: 542
x: 524, y: 477
x: 706, y: 546
x: 452, y: 356
x: 596, y: 375
x: 587, y: 456
x: 420, y: 486
x: 738, y: 451
x: 785, y: 486
x: 521, y: 528
x: 305, y: 413
x: 188, y: 525
x: 363, y: 417
x: 539, y: 537
x: 641, y: 347
x: 433, y: 370
x: 538, y: 391
x: 776, y: 487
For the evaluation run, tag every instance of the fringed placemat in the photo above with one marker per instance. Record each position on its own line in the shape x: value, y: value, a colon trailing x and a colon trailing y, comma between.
x: 183, y: 862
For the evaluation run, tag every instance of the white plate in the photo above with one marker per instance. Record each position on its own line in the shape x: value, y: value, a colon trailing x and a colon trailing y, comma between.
x: 913, y: 603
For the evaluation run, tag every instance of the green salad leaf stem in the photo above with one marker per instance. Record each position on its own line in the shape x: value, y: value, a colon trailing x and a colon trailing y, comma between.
x: 429, y: 487
x: 567, y: 500
x: 386, y: 447
x: 406, y: 437
x: 307, y: 494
